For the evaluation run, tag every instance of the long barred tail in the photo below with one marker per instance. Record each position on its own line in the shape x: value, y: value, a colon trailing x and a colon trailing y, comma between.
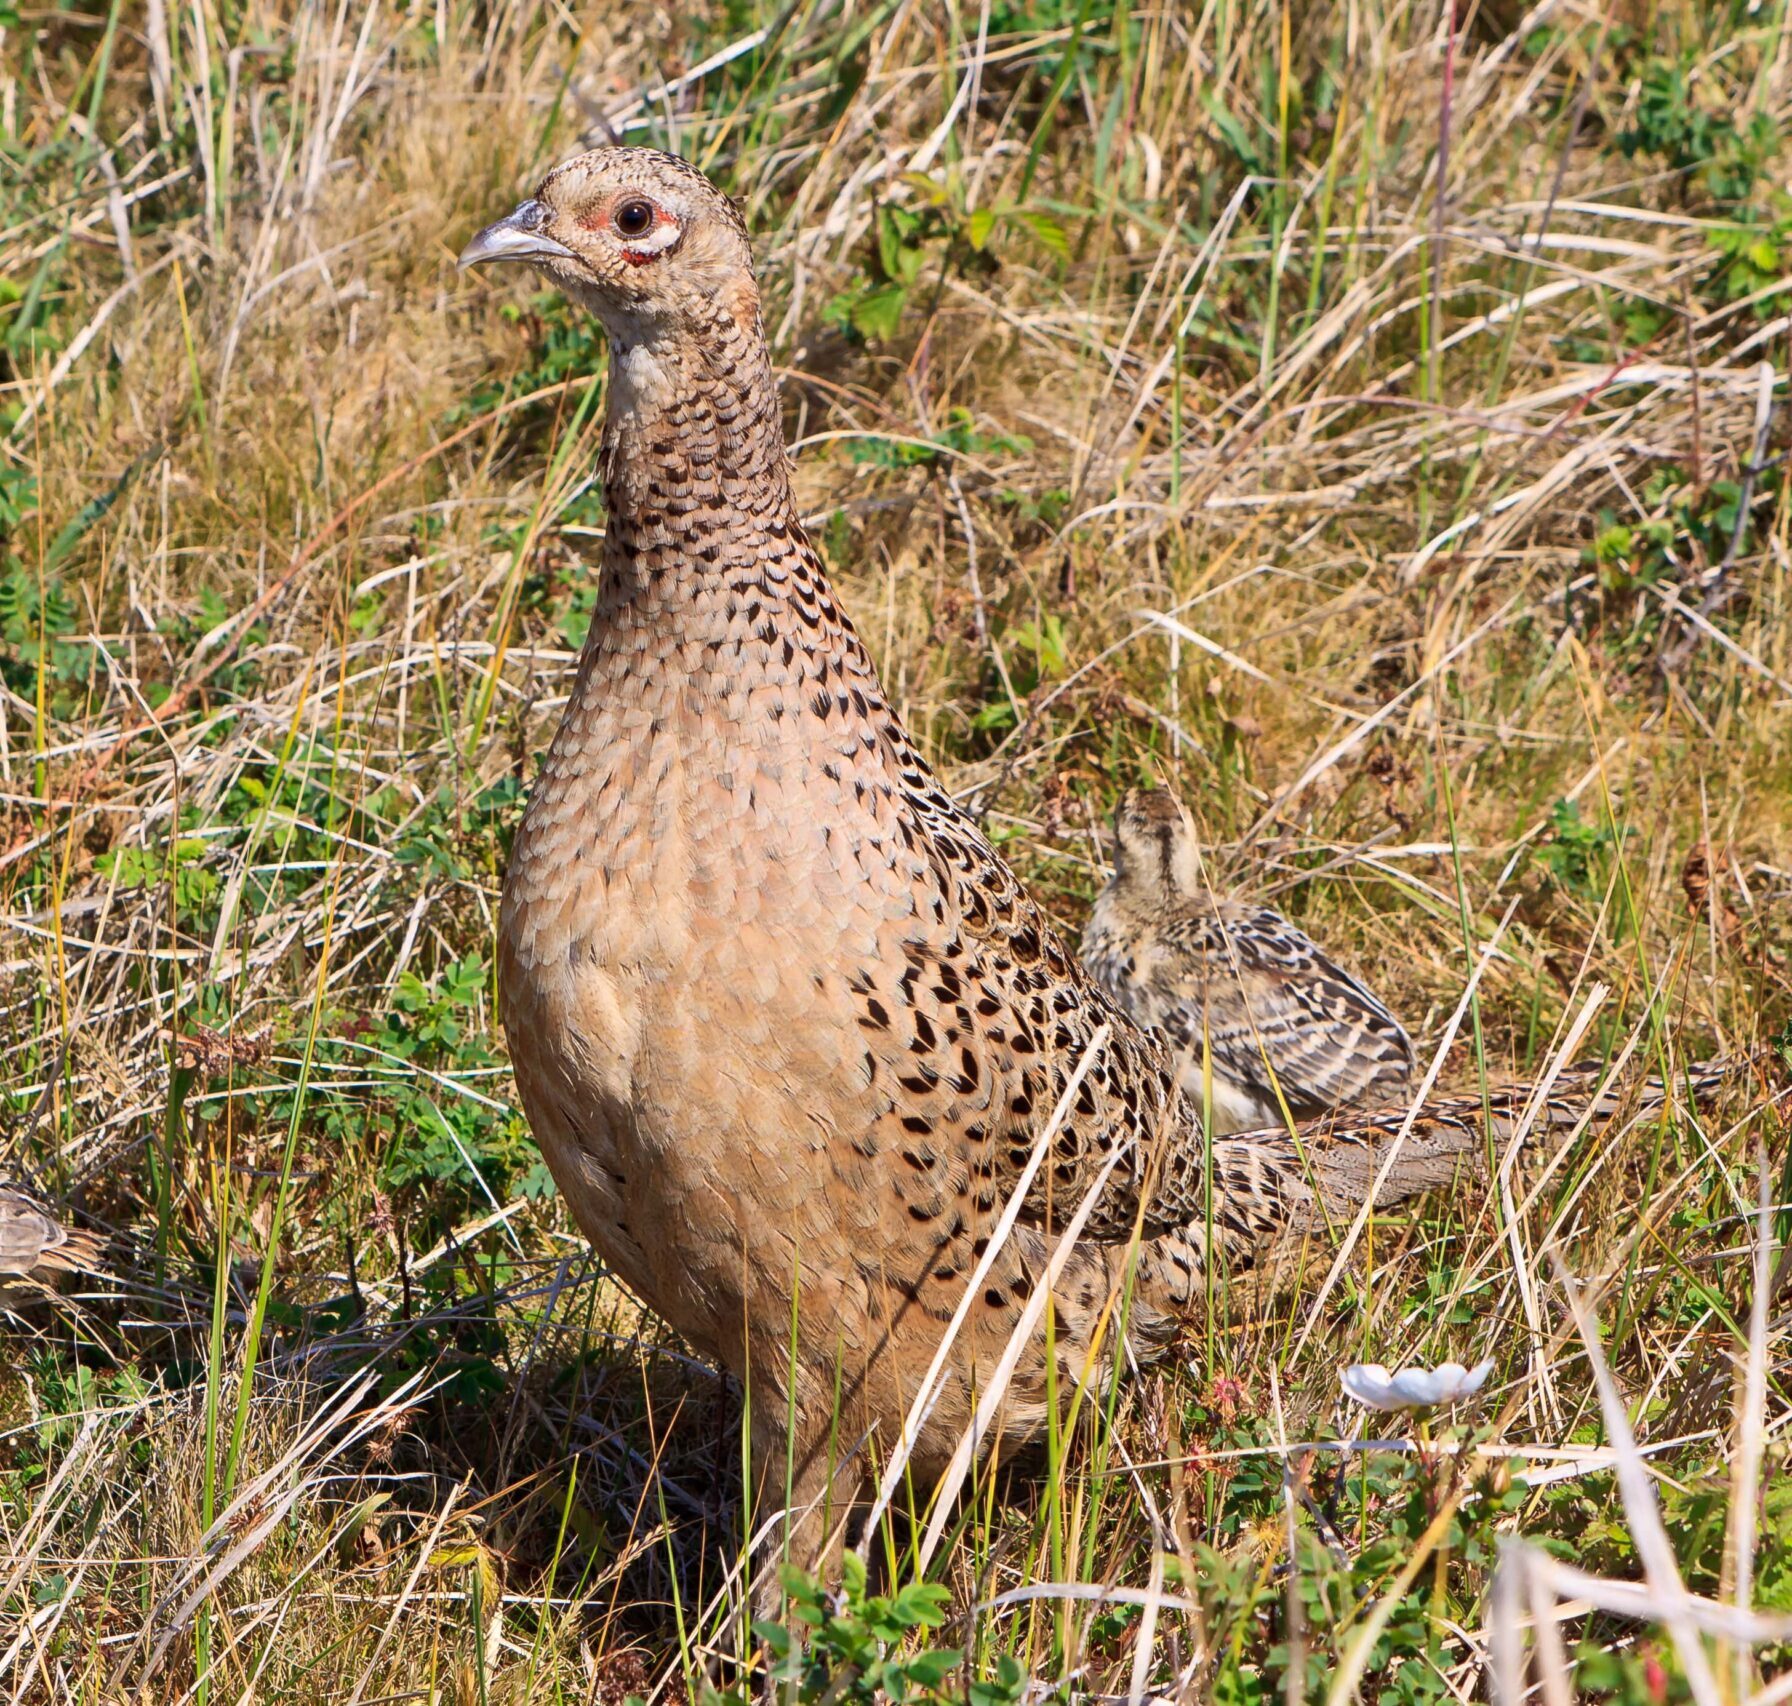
x: 1330, y: 1164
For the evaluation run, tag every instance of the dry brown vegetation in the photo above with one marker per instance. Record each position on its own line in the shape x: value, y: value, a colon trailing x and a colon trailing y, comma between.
x: 1369, y: 416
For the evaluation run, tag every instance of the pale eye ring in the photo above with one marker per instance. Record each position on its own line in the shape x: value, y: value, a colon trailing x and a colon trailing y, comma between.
x: 634, y: 218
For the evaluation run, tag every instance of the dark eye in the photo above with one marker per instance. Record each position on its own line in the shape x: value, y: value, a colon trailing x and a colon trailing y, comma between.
x: 634, y: 218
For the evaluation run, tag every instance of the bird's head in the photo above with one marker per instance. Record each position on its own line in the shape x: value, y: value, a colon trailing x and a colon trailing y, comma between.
x: 640, y: 238
x: 1155, y: 841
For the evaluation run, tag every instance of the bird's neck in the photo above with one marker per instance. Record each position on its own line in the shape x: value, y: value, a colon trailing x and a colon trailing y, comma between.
x: 720, y: 681
x: 710, y: 592
x: 1155, y: 884
x: 694, y: 464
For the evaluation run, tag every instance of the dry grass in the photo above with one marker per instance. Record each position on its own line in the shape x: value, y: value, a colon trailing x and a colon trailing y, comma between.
x: 1252, y: 433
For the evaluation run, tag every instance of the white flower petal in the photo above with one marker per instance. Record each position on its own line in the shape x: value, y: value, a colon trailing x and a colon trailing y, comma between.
x: 1371, y: 1385
x: 1476, y: 1378
x: 1417, y: 1386
x: 1367, y: 1383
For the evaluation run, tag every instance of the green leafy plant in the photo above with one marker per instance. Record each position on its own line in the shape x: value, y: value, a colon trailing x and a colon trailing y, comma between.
x: 1037, y: 651
x: 461, y: 1146
x: 1753, y: 259
x: 184, y: 629
x: 18, y: 495
x: 564, y: 343
x: 1688, y: 531
x: 179, y: 861
x: 856, y: 1648
x: 1679, y: 122
x: 939, y: 225
x: 1686, y: 120
x: 1577, y: 854
x: 459, y: 838
x: 1375, y: 1507
x: 1044, y: 511
x: 33, y: 624
x: 960, y: 435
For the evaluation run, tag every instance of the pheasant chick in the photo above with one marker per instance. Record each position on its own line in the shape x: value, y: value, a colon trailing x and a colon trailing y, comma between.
x: 1286, y: 1030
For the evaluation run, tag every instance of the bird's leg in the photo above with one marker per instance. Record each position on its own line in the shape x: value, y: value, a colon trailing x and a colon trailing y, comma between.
x: 804, y: 1500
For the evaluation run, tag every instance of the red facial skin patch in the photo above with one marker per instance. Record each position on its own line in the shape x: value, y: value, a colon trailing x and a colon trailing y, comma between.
x: 642, y: 257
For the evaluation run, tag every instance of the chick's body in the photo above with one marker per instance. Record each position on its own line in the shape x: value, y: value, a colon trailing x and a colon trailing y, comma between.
x: 1266, y: 1024
x: 35, y: 1242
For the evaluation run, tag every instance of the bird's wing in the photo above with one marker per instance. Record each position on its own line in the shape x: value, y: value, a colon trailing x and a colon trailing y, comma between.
x: 974, y: 1018
x: 34, y: 1241
x: 1274, y: 1011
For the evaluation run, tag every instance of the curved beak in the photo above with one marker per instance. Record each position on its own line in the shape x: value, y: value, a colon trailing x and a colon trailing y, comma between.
x: 517, y: 236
